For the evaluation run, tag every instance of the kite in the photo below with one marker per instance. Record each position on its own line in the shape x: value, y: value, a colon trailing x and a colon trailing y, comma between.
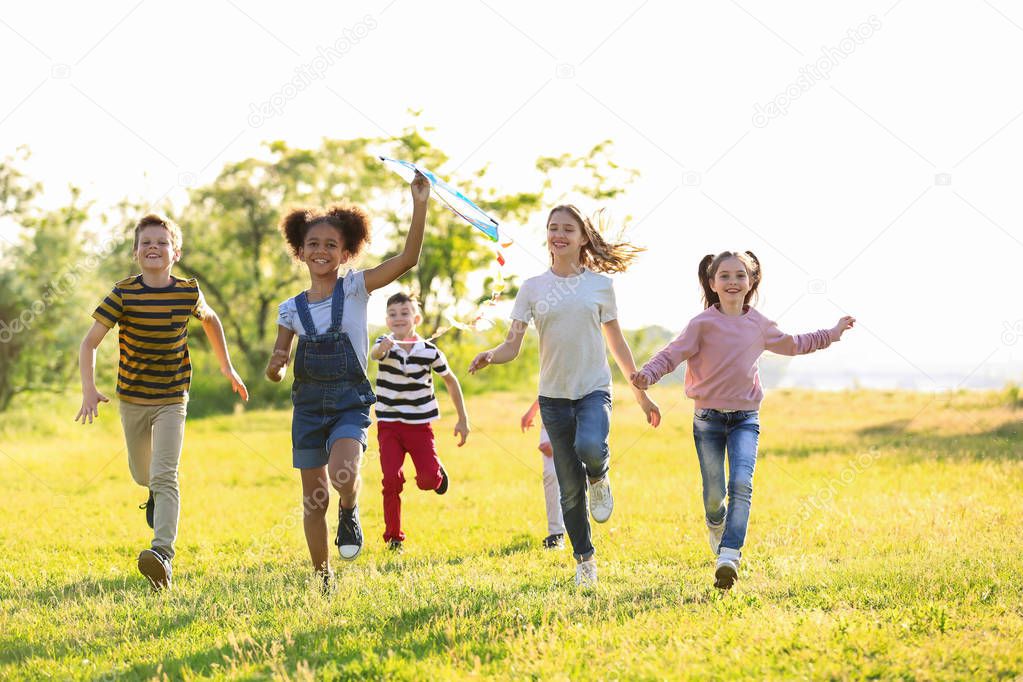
x: 464, y: 208
x: 459, y: 204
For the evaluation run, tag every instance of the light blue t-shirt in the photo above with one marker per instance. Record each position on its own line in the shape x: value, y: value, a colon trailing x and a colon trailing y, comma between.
x: 353, y: 322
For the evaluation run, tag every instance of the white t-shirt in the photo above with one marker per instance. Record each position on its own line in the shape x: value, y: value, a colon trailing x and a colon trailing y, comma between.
x: 568, y: 313
x: 353, y: 322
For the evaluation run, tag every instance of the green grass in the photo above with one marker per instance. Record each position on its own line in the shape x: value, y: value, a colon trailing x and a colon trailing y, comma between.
x: 885, y: 542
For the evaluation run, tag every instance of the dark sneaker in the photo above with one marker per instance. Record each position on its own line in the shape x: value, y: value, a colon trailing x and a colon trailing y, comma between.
x: 395, y: 545
x: 443, y: 487
x: 349, y: 533
x: 727, y: 570
x: 156, y: 567
x: 556, y: 541
x: 149, y: 505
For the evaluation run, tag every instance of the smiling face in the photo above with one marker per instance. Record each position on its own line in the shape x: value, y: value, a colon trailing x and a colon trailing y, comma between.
x: 402, y: 319
x: 731, y: 282
x: 155, y: 250
x: 565, y: 237
x: 323, y: 249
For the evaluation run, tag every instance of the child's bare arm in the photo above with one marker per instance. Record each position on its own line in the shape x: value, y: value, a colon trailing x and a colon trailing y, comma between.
x: 623, y: 357
x: 393, y: 268
x: 379, y: 350
x: 455, y: 390
x: 278, y: 365
x: 527, y: 419
x: 91, y: 397
x: 506, y: 352
x: 215, y: 333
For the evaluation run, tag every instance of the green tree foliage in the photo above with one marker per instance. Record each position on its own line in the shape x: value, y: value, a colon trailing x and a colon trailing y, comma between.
x: 232, y: 245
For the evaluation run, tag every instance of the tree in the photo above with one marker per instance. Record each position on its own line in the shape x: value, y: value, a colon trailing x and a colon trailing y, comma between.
x: 41, y: 298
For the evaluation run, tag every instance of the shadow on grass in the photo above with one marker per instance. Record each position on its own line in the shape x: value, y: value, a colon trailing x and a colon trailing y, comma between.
x: 399, y: 563
x: 1001, y: 442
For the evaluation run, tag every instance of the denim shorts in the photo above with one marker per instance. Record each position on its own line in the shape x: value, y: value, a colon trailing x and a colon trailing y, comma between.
x: 325, y: 413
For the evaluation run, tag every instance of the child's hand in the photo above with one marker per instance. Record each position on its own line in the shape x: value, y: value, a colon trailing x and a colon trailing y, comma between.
x: 651, y: 410
x: 461, y: 431
x: 91, y: 398
x: 481, y: 361
x: 527, y: 420
x: 237, y: 385
x: 278, y: 362
x: 847, y: 322
x: 639, y: 380
x: 386, y: 344
x: 420, y: 189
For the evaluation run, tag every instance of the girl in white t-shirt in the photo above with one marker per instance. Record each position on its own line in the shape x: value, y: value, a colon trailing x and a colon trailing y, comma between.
x: 574, y: 310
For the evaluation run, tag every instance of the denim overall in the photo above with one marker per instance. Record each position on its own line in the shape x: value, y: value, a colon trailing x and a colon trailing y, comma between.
x: 331, y: 393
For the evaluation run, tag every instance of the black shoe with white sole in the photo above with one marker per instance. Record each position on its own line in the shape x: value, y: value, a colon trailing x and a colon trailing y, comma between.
x: 349, y: 533
x: 156, y: 567
x: 555, y: 541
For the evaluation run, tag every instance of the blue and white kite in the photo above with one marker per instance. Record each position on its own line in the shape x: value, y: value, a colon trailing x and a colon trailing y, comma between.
x: 459, y: 204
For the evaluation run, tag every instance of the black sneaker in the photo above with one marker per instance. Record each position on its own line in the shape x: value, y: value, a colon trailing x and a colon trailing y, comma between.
x: 149, y: 505
x: 395, y: 545
x: 349, y: 533
x: 556, y: 541
x: 156, y: 567
x: 443, y: 487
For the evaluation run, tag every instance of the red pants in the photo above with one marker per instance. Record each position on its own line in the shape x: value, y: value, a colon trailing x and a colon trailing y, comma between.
x: 397, y: 438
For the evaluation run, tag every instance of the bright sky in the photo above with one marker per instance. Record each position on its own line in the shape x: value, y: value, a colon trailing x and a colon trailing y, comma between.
x: 884, y: 184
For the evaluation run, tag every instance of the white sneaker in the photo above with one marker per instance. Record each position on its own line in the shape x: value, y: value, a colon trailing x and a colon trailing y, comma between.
x: 727, y: 571
x: 715, y: 533
x: 601, y: 501
x: 586, y: 573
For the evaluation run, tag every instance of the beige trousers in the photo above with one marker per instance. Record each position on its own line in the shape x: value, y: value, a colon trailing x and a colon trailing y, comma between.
x: 154, y: 435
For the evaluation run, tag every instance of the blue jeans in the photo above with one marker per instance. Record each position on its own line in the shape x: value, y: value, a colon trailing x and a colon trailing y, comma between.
x: 578, y: 431
x: 738, y: 433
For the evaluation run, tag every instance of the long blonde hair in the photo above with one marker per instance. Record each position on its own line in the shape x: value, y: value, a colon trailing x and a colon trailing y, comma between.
x: 597, y: 253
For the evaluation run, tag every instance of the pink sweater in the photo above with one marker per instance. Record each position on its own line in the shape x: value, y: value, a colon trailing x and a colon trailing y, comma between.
x: 722, y: 351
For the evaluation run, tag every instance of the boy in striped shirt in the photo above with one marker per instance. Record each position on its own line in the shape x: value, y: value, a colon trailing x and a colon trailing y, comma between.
x: 406, y: 405
x: 152, y: 309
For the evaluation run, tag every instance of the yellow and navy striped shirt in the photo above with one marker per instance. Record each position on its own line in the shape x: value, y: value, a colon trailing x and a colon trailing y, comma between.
x: 153, y: 368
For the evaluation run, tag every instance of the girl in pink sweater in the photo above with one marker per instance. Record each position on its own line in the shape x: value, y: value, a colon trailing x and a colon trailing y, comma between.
x: 722, y: 345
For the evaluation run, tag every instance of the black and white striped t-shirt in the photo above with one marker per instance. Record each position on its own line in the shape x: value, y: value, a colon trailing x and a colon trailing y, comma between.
x: 405, y: 383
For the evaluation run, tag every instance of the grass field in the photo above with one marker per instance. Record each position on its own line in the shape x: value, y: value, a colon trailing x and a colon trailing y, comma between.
x: 886, y: 541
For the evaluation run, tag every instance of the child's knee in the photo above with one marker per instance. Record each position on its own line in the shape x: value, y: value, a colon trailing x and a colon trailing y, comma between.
x: 592, y: 452
x: 741, y: 489
x: 427, y: 482
x: 164, y: 481
x: 393, y: 484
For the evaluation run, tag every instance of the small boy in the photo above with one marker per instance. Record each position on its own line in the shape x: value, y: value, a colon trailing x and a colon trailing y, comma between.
x: 406, y: 405
x: 152, y: 309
